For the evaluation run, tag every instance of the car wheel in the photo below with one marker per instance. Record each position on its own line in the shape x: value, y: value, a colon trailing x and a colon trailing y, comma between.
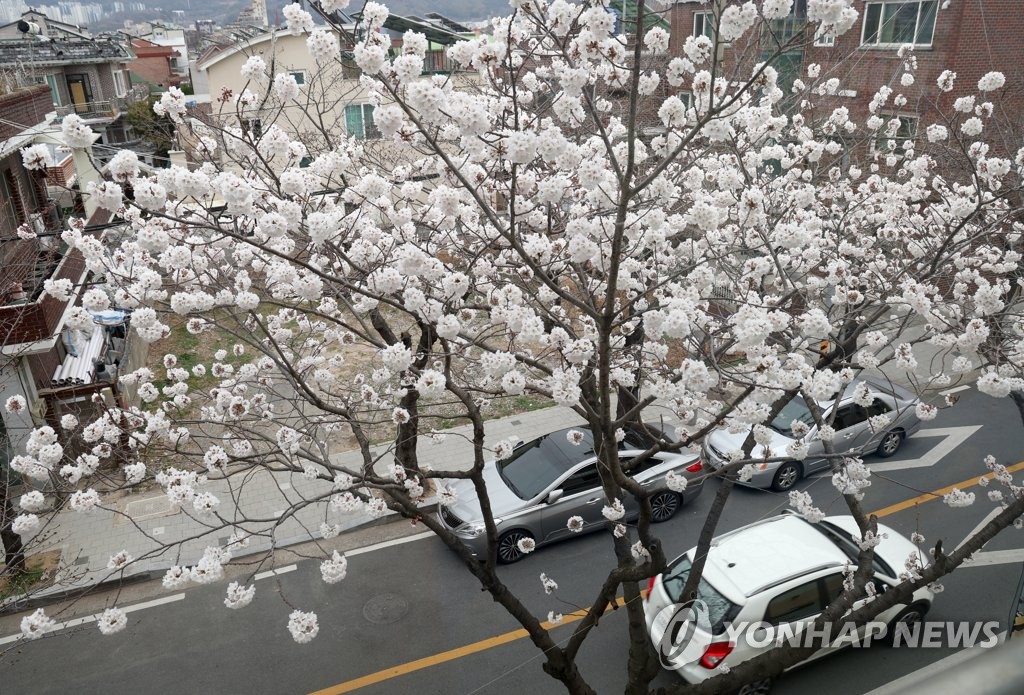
x: 909, y: 616
x: 761, y: 687
x: 786, y: 476
x: 508, y: 546
x: 890, y: 444
x: 664, y: 506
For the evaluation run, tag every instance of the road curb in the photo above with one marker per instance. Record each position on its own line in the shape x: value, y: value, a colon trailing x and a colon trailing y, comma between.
x: 15, y: 604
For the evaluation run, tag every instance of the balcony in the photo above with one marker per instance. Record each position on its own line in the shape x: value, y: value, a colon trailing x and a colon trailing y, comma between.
x: 103, y: 111
x: 27, y: 314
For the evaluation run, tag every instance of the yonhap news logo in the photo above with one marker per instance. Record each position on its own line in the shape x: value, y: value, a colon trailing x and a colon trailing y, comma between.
x: 689, y: 636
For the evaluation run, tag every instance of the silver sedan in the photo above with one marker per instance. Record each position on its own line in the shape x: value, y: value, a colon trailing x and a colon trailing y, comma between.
x: 536, y: 490
x: 854, y: 433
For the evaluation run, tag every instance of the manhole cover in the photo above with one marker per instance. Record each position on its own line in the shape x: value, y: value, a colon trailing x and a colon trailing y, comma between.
x: 385, y: 608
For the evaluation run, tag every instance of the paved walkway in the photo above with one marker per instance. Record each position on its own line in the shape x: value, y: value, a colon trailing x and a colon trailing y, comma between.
x: 159, y: 536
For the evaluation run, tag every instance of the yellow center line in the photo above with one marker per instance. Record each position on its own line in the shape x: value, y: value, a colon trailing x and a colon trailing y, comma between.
x: 515, y: 635
x: 936, y: 494
x: 450, y: 655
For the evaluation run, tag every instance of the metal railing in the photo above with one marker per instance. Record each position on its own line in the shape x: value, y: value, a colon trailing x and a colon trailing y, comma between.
x: 110, y: 108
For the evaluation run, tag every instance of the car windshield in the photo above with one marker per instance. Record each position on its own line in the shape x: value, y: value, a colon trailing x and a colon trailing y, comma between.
x: 848, y: 545
x: 796, y: 409
x: 720, y: 609
x: 535, y: 465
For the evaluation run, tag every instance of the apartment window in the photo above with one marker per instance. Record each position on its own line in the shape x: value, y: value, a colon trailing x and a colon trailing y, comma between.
x: 120, y: 83
x: 299, y: 75
x: 889, y: 23
x: 824, y: 38
x: 895, y: 142
x: 253, y: 127
x: 359, y: 122
x: 704, y: 24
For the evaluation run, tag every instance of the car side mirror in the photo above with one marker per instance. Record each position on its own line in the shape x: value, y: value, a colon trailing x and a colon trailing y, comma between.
x: 554, y: 496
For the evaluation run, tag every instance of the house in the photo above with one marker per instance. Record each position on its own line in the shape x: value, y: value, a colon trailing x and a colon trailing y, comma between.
x: 968, y: 38
x: 87, y: 75
x: 153, y: 65
x: 34, y: 344
x: 168, y: 36
x: 335, y: 88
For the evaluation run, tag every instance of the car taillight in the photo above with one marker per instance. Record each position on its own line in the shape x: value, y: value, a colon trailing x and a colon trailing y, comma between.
x: 695, y: 467
x: 714, y: 654
x: 650, y: 584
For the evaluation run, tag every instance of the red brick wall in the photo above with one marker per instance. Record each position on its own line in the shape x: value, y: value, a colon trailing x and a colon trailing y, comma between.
x: 26, y: 107
x: 154, y: 69
x: 972, y: 37
x: 38, y: 320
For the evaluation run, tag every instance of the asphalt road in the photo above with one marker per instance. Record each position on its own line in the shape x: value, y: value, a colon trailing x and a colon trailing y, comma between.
x: 407, y: 605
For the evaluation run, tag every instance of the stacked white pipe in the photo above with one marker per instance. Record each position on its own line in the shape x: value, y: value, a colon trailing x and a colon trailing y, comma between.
x: 79, y: 370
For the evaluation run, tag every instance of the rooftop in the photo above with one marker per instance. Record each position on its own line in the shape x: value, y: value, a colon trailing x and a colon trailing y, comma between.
x: 770, y: 551
x: 61, y: 51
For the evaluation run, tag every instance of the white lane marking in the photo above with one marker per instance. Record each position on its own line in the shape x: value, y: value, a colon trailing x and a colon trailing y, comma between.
x: 915, y: 677
x: 995, y: 557
x: 280, y: 570
x: 261, y: 575
x: 952, y: 438
x: 388, y: 544
x: 92, y: 618
x: 957, y: 389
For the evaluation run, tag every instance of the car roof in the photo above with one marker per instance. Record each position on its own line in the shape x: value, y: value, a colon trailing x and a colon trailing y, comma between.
x: 770, y: 552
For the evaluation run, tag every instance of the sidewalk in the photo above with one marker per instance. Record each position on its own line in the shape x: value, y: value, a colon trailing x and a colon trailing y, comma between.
x: 145, y: 524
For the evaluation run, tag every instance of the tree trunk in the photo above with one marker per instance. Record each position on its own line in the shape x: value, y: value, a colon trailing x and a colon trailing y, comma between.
x: 14, y: 548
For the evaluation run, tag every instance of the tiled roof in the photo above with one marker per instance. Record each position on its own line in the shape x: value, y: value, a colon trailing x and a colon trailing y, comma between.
x: 61, y: 52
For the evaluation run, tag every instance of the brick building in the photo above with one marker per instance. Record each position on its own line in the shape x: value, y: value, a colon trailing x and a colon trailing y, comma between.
x: 152, y: 65
x: 32, y: 347
x: 86, y: 75
x: 969, y: 37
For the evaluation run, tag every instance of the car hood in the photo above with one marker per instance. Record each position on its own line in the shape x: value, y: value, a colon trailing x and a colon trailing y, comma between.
x: 725, y: 441
x: 503, y: 500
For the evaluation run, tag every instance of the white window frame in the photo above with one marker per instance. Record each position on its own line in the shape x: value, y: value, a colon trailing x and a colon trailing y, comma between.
x: 911, y: 117
x: 881, y: 22
x: 824, y: 38
x: 362, y: 121
x: 120, y: 83
x: 707, y: 19
x: 50, y: 80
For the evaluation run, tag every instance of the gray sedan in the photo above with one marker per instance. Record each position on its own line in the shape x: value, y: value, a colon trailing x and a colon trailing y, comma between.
x: 543, y: 483
x: 854, y: 434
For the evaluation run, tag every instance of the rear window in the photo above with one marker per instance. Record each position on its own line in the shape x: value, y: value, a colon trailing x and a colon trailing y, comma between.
x: 537, y: 464
x: 720, y: 609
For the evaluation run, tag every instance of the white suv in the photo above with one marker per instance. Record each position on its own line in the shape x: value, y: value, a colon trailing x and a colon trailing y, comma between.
x: 781, y: 572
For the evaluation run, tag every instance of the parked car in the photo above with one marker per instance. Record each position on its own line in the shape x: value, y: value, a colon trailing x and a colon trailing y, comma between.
x: 783, y: 571
x: 536, y: 490
x: 854, y: 434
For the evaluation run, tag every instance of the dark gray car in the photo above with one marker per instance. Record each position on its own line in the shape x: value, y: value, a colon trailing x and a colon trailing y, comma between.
x: 854, y: 434
x: 545, y: 482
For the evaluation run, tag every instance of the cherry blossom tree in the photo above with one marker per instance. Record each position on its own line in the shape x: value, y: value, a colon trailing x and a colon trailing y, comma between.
x: 587, y: 217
